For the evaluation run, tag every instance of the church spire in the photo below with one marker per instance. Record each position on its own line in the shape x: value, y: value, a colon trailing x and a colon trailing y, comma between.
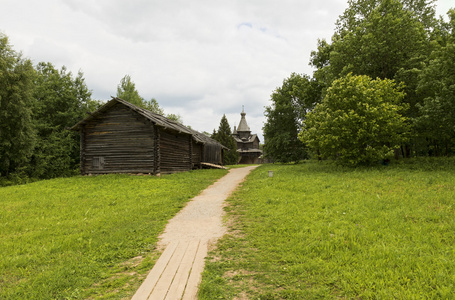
x: 243, y: 125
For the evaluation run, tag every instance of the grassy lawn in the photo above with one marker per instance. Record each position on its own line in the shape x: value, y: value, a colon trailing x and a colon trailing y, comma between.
x: 87, y: 237
x: 317, y: 231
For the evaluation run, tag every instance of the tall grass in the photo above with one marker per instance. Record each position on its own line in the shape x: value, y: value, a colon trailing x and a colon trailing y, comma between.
x: 87, y: 237
x: 318, y: 231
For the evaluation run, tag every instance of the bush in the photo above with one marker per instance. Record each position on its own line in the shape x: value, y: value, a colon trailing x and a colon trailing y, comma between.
x: 358, y: 122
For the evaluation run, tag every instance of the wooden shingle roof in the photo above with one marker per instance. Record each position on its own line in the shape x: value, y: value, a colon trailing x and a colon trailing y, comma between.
x: 243, y: 125
x: 250, y: 139
x: 157, y: 119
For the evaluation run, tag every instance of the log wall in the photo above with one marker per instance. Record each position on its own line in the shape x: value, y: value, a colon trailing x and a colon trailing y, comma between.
x: 212, y: 154
x: 197, y: 154
x: 121, y: 138
x: 255, y: 144
x: 118, y: 141
x: 175, y: 151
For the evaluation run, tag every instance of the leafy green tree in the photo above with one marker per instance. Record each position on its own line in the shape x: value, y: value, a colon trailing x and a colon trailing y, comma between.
x: 61, y: 101
x: 382, y: 39
x: 153, y: 106
x: 359, y: 121
x: 224, y: 136
x: 175, y: 117
x: 388, y: 41
x: 436, y: 122
x: 126, y: 90
x: 359, y: 10
x: 17, y: 134
x: 290, y: 103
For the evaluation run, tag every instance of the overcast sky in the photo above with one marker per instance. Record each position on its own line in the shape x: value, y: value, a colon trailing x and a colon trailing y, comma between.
x: 200, y: 58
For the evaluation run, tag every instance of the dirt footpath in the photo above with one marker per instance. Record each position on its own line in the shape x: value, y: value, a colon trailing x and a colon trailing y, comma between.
x: 177, y: 273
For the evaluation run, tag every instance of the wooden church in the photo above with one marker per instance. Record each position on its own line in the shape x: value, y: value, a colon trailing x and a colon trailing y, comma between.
x: 247, y: 143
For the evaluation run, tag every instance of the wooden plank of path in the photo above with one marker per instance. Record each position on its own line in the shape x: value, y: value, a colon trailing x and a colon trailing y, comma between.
x: 196, y: 273
x: 154, y: 276
x: 177, y: 273
x: 187, y: 268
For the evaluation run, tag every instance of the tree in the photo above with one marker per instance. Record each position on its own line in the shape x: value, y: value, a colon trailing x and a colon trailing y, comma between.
x: 17, y: 134
x: 213, y: 135
x: 359, y: 121
x: 126, y: 90
x: 359, y: 10
x: 153, y: 106
x: 224, y: 136
x: 61, y: 101
x: 387, y: 39
x: 175, y: 117
x: 436, y: 122
x: 290, y: 104
x: 384, y: 40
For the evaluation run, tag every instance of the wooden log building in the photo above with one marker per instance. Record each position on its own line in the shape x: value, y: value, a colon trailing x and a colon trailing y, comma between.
x: 121, y: 137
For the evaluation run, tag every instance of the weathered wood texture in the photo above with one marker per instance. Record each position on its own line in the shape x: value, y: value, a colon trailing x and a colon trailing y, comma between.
x: 175, y: 152
x: 82, y: 149
x: 156, y: 150
x: 197, y: 154
x: 118, y: 141
x: 122, y: 138
x: 252, y: 145
x: 213, y: 154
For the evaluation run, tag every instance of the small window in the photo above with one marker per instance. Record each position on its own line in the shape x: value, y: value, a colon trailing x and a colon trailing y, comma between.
x: 98, y: 162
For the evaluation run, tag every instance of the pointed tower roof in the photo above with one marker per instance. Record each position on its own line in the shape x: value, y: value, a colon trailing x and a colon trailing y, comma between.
x: 243, y: 126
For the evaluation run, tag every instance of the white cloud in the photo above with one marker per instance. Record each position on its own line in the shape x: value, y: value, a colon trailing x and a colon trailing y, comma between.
x: 200, y: 59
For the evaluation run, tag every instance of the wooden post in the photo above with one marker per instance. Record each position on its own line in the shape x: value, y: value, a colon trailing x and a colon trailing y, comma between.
x: 203, y: 154
x: 82, y: 150
x: 157, y: 151
x: 190, y: 140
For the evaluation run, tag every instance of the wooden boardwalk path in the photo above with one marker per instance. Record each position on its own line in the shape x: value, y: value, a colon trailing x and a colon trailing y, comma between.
x: 177, y: 273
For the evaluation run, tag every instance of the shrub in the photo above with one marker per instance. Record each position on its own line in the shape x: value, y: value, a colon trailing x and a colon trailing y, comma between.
x: 358, y: 122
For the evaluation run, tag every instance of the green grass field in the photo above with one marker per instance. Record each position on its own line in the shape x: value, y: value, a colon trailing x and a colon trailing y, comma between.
x: 87, y: 237
x: 318, y: 231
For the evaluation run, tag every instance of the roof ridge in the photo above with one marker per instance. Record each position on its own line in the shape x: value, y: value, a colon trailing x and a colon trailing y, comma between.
x: 158, y: 119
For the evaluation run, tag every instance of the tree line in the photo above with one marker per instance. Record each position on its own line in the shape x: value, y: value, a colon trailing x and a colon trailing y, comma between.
x: 37, y: 106
x: 383, y: 87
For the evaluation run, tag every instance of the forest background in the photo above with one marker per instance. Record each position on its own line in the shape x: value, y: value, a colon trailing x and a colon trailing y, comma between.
x: 384, y: 87
x: 385, y: 55
x: 38, y: 105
